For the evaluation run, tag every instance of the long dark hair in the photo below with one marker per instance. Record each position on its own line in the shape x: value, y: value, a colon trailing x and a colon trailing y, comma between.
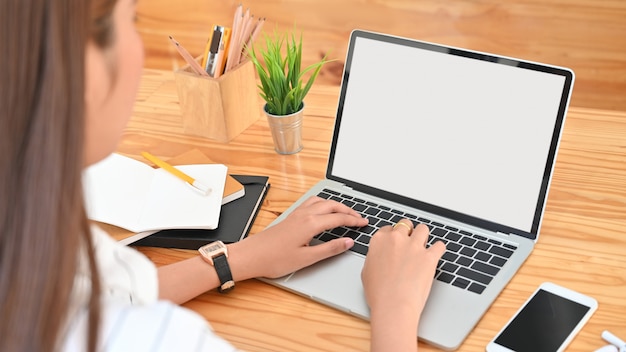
x: 43, y: 225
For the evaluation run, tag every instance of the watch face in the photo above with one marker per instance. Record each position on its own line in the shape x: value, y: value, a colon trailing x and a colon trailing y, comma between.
x: 213, y: 249
x: 215, y: 246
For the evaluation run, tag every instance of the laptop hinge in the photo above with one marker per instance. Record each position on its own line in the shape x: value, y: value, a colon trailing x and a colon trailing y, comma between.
x: 504, y: 234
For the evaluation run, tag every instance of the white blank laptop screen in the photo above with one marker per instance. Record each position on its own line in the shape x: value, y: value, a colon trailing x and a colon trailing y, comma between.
x: 463, y: 134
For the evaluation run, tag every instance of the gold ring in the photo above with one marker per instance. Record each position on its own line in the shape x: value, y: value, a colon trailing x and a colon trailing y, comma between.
x: 405, y: 225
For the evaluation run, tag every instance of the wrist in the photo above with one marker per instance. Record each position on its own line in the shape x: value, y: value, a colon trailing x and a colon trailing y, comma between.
x: 401, y: 315
x: 406, y: 313
x: 216, y: 255
x: 242, y: 263
x: 393, y: 329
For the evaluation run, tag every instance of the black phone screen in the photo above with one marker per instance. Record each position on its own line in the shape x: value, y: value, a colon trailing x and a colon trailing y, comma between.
x: 543, y: 324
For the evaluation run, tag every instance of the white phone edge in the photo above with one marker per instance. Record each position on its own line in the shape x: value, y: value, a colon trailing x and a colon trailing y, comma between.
x: 558, y: 290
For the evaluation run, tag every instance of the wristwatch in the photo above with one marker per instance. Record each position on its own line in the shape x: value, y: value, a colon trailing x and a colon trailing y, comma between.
x: 215, y: 253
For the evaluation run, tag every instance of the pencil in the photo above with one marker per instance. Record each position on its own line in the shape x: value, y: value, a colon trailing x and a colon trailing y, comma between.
x: 253, y: 36
x: 257, y: 30
x: 234, y: 37
x: 197, y: 185
x: 195, y: 66
x: 247, y: 33
x: 244, y: 25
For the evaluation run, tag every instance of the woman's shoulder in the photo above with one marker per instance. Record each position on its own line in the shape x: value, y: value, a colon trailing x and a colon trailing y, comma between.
x: 162, y: 326
x: 125, y: 273
x: 133, y: 319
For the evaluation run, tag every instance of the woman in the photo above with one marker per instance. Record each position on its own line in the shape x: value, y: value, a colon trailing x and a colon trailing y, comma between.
x: 68, y: 78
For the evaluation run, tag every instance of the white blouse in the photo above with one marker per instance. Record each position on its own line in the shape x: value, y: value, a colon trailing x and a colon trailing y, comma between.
x: 133, y: 319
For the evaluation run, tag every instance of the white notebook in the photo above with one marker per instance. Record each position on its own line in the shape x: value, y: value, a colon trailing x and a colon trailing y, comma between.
x: 124, y: 192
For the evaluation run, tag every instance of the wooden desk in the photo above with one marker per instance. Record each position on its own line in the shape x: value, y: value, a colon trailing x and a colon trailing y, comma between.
x: 582, y: 246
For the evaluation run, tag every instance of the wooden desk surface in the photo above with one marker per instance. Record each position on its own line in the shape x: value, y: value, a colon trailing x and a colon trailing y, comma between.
x: 582, y: 245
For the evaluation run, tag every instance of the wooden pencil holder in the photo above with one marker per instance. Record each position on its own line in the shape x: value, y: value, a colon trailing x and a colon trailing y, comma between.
x: 218, y: 108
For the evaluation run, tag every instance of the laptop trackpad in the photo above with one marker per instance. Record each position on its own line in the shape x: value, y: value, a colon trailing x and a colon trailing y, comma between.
x: 335, y: 281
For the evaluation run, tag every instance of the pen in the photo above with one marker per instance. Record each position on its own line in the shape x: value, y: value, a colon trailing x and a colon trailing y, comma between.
x: 197, y: 185
x: 220, y: 61
x: 216, y: 39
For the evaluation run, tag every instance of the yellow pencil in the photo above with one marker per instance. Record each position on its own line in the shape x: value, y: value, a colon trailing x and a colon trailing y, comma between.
x: 197, y: 185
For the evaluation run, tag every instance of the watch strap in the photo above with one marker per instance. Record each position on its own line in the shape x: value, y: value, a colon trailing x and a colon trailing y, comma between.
x: 223, y: 273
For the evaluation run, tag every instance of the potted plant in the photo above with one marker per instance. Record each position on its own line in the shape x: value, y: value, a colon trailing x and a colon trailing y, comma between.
x: 284, y: 85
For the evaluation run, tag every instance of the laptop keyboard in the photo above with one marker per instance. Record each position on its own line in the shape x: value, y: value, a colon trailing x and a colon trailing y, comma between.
x: 470, y: 261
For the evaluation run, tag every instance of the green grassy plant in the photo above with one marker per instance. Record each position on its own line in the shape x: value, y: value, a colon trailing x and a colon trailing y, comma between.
x: 283, y: 84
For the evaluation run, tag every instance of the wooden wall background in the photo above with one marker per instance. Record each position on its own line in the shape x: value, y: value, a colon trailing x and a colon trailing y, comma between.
x: 588, y: 36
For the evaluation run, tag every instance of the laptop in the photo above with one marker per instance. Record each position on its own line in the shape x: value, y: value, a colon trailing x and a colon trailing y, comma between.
x: 462, y: 141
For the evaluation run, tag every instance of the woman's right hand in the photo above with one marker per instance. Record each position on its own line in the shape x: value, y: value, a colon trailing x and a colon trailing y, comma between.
x: 397, y: 277
x: 284, y: 247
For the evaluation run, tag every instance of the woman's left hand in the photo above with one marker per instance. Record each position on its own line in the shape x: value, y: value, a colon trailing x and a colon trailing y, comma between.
x: 284, y: 247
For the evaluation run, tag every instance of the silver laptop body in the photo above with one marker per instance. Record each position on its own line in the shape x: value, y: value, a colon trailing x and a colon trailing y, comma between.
x: 457, y: 137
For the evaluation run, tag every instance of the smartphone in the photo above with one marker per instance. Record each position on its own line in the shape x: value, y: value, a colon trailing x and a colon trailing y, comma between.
x: 546, y: 322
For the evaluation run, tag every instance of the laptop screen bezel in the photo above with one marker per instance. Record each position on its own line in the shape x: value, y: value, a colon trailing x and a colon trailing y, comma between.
x: 431, y: 208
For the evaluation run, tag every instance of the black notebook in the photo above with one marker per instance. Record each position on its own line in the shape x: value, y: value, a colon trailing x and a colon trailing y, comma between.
x: 236, y: 219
